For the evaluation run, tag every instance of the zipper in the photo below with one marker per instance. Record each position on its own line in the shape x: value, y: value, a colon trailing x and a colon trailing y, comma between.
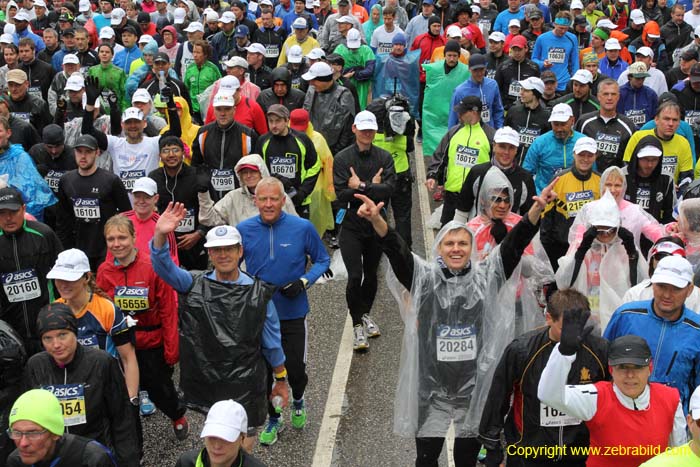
x: 24, y: 303
x: 658, y: 347
x: 272, y: 244
x: 65, y: 381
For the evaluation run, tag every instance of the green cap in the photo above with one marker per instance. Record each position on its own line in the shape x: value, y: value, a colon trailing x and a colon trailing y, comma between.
x: 41, y: 407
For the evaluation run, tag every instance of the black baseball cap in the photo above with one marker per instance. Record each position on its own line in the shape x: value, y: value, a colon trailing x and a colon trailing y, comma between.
x: 143, y: 18
x: 477, y: 61
x: 335, y: 59
x: 580, y: 19
x: 68, y: 32
x: 689, y: 55
x: 11, y: 198
x: 548, y: 77
x: 53, y: 134
x: 130, y: 29
x: 631, y: 350
x: 86, y: 141
x: 161, y: 57
x: 468, y: 103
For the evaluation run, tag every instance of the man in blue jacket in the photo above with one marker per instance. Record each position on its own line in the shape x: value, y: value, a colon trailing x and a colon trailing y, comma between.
x: 669, y: 327
x: 482, y: 87
x: 557, y: 50
x: 503, y: 19
x: 276, y: 248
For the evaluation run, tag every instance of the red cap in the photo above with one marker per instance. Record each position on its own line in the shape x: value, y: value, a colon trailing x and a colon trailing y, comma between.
x: 248, y: 166
x: 519, y: 41
x: 299, y: 120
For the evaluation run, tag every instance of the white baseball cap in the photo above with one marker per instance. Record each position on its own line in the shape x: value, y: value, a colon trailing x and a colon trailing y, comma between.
x: 6, y: 39
x: 223, y: 99
x: 366, y: 120
x: 145, y: 38
x: 227, y: 17
x: 612, y: 44
x: 637, y: 17
x: 561, y: 113
x: 267, y: 2
x: 646, y: 51
x: 142, y: 96
x: 513, y: 22
x: 71, y: 58
x: 209, y: 15
x: 132, y: 113
x: 497, y: 36
x: 317, y: 70
x: 145, y: 185
x: 194, y: 26
x: 295, y: 54
x: 694, y: 404
x: 229, y: 83
x: 476, y: 9
x: 117, y: 16
x: 585, y: 144
x: 577, y: 5
x: 70, y: 266
x: 236, y: 61
x: 224, y: 235
x: 606, y: 23
x: 353, y: 39
x: 178, y: 15
x: 316, y: 54
x: 649, y: 151
x: 453, y: 31
x: 22, y: 15
x: 106, y: 33
x: 83, y: 5
x: 75, y: 82
x: 40, y: 3
x: 674, y: 270
x: 507, y: 135
x: 533, y: 83
x: 256, y: 48
x: 582, y: 76
x: 345, y: 19
x: 226, y: 419
x: 300, y: 23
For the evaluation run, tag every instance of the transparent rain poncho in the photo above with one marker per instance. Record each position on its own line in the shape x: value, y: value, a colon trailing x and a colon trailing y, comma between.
x: 456, y: 327
x: 604, y: 274
x: 689, y: 227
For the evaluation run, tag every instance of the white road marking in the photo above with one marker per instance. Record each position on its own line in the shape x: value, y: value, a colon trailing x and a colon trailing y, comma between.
x: 323, y: 454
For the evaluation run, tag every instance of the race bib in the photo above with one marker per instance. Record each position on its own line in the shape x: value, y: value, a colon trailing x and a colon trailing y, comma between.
x: 576, y: 200
x: 550, y: 417
x: 638, y: 117
x: 528, y: 135
x: 26, y: 116
x: 129, y: 177
x: 186, y: 225
x: 284, y: 166
x: 692, y: 117
x: 485, y: 26
x: 53, y: 177
x: 643, y: 197
x: 272, y: 51
x: 668, y: 165
x: 514, y: 89
x: 609, y: 144
x: 222, y: 180
x: 456, y: 344
x: 131, y: 299
x: 466, y: 156
x: 485, y: 113
x: 384, y: 48
x: 36, y: 92
x: 556, y: 55
x: 87, y: 209
x: 21, y: 286
x: 491, y: 74
x: 72, y: 399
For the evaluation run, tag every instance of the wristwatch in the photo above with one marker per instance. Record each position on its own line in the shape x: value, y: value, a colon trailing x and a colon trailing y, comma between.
x: 362, y: 186
x: 134, y: 401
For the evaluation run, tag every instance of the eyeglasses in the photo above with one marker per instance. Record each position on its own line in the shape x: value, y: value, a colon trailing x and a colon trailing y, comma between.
x: 30, y: 435
x: 171, y: 150
x: 500, y: 199
x: 609, y: 231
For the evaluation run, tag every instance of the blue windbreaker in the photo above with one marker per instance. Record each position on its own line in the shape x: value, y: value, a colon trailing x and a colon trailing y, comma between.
x: 643, y: 98
x: 547, y: 155
x: 16, y: 163
x: 613, y: 72
x: 276, y: 253
x: 675, y: 345
x: 562, y: 52
x: 490, y: 97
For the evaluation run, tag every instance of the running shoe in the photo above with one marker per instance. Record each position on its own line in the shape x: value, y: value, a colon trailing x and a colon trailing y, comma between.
x: 298, y: 414
x: 370, y: 326
x: 181, y: 428
x: 274, y: 425
x: 360, y: 338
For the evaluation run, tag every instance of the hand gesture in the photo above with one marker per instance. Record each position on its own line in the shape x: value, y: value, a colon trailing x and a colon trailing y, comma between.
x: 369, y: 210
x: 378, y: 176
x: 354, y: 180
x: 92, y: 90
x: 166, y: 94
x: 112, y: 99
x: 170, y: 218
x: 188, y: 241
x: 430, y: 184
x: 547, y: 195
x: 627, y: 241
x: 573, y: 330
x: 61, y: 104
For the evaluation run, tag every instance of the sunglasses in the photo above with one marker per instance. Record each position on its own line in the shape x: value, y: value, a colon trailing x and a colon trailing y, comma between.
x: 609, y: 231
x: 500, y: 199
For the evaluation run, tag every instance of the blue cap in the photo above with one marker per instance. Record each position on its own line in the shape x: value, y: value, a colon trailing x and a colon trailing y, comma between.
x: 399, y: 38
x: 242, y: 31
x: 427, y: 2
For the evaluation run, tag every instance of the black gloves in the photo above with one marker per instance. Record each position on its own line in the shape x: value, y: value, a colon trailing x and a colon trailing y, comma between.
x: 498, y: 230
x: 293, y: 288
x: 586, y: 243
x: 166, y: 95
x: 112, y: 99
x: 494, y: 457
x: 61, y: 104
x: 628, y: 242
x: 573, y: 331
x: 92, y: 90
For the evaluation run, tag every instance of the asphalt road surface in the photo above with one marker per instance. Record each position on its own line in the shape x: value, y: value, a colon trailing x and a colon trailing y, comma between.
x: 350, y: 396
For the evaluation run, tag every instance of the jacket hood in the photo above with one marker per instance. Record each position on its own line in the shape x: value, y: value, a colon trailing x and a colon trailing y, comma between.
x: 151, y: 48
x: 494, y: 184
x: 617, y: 171
x: 652, y: 27
x: 170, y: 29
x: 648, y: 140
x: 281, y: 74
x: 604, y: 212
x: 252, y: 159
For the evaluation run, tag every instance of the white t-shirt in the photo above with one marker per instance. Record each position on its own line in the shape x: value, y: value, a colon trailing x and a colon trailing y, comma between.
x: 692, y: 19
x: 133, y: 161
x: 381, y: 39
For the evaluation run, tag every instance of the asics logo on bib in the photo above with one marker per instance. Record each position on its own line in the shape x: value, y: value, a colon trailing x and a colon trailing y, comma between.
x: 578, y: 195
x: 18, y: 276
x: 129, y: 291
x: 85, y: 202
x: 449, y: 331
x: 64, y: 391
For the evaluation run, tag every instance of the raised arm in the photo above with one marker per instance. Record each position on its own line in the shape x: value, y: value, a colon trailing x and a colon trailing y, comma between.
x: 163, y: 264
